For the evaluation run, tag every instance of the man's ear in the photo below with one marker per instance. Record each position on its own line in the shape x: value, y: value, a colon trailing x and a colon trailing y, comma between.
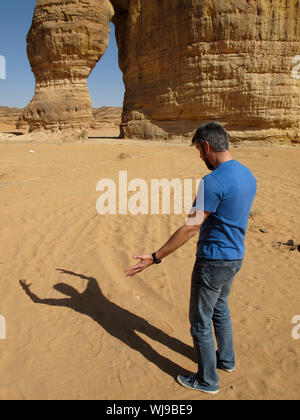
x: 206, y: 146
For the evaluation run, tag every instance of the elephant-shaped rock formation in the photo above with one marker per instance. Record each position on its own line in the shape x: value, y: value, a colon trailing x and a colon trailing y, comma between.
x: 183, y: 62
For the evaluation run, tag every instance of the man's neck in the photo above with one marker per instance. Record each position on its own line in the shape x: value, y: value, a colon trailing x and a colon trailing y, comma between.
x: 222, y: 157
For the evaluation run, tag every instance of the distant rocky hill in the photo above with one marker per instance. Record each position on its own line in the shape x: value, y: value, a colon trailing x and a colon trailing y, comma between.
x: 10, y: 115
x: 104, y: 117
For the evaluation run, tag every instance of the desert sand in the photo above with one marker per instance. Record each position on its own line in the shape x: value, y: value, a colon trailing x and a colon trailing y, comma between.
x: 82, y: 330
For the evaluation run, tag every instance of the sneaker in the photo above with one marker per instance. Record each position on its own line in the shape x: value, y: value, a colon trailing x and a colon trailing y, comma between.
x: 191, y: 382
x: 219, y: 365
x: 226, y: 369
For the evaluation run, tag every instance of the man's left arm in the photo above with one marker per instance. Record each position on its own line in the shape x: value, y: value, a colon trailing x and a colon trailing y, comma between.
x: 180, y: 237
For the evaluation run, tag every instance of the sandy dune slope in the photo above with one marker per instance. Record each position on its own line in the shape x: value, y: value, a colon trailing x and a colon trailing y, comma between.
x: 81, y: 330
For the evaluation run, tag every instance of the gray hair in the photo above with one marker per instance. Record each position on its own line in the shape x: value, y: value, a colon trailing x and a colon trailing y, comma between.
x: 215, y: 134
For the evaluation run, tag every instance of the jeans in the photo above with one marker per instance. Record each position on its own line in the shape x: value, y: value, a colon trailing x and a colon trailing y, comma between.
x: 211, y: 286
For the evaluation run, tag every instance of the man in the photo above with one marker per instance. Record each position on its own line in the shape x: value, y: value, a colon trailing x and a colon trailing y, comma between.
x: 229, y: 191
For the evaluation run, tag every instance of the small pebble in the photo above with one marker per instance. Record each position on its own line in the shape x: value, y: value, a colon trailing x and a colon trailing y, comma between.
x: 263, y: 230
x: 124, y: 156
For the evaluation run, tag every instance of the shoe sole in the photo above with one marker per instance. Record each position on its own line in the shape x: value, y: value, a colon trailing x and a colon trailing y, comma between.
x: 226, y: 370
x: 195, y: 389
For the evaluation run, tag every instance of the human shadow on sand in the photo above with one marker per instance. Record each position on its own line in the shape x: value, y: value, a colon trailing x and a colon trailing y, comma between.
x: 117, y: 321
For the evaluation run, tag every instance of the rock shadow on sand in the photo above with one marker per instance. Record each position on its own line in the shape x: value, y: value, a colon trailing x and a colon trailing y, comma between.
x: 118, y: 322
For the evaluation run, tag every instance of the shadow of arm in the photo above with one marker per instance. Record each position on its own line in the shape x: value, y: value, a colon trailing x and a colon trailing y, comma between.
x: 36, y: 299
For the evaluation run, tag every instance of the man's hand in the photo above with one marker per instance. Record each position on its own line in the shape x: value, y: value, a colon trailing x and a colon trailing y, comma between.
x: 145, y: 262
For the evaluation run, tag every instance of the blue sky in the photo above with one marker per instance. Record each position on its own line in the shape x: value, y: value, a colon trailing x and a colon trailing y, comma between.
x: 105, y: 83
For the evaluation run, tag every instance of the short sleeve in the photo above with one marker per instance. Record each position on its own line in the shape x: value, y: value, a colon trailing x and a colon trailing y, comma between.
x: 209, y: 194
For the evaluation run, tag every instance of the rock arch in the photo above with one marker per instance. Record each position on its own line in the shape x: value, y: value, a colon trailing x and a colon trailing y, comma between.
x: 183, y: 62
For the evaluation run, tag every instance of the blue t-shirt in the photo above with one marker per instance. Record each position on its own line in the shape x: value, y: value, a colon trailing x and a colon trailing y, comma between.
x: 228, y: 193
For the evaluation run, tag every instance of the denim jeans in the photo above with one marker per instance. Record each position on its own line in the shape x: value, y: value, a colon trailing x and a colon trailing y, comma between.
x: 211, y: 286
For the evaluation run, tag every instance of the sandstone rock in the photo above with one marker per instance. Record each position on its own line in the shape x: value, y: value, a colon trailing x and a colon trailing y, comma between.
x: 66, y: 39
x: 183, y: 61
x: 22, y: 125
x: 189, y: 61
x: 10, y: 115
x: 106, y: 117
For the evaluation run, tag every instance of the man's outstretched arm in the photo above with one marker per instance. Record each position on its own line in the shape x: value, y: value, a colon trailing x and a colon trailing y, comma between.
x: 179, y: 238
